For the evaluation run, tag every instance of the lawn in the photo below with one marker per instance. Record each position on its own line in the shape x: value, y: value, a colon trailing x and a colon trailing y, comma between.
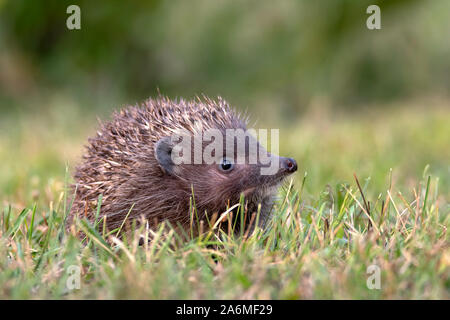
x: 371, y: 197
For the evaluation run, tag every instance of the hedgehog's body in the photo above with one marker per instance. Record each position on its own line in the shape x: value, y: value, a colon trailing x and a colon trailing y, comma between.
x: 127, y: 164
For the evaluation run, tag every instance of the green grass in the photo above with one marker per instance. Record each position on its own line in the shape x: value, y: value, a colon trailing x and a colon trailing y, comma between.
x: 328, y: 226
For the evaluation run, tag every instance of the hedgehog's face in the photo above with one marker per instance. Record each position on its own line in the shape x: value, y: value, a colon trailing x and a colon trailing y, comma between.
x: 221, y: 176
x: 225, y: 181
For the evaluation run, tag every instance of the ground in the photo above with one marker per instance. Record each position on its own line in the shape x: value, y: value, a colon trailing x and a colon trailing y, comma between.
x: 365, y: 216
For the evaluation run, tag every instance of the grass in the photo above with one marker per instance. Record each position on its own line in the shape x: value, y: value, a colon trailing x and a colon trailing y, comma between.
x: 328, y: 227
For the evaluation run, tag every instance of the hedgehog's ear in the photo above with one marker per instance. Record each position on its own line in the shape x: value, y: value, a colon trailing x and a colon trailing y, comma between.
x: 163, y: 154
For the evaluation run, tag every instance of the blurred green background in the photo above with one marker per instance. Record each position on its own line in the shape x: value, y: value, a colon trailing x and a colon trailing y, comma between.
x: 347, y: 99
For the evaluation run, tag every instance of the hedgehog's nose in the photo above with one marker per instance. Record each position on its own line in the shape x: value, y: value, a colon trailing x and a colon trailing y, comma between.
x: 289, y: 164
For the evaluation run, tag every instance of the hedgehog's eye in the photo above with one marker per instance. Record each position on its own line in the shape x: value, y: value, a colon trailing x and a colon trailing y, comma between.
x: 225, y: 165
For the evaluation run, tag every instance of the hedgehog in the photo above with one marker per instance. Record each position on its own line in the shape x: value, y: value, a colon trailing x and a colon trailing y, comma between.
x: 129, y: 164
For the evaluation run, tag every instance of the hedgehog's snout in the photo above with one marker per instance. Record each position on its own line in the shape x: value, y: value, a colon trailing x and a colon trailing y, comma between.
x: 288, y: 164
